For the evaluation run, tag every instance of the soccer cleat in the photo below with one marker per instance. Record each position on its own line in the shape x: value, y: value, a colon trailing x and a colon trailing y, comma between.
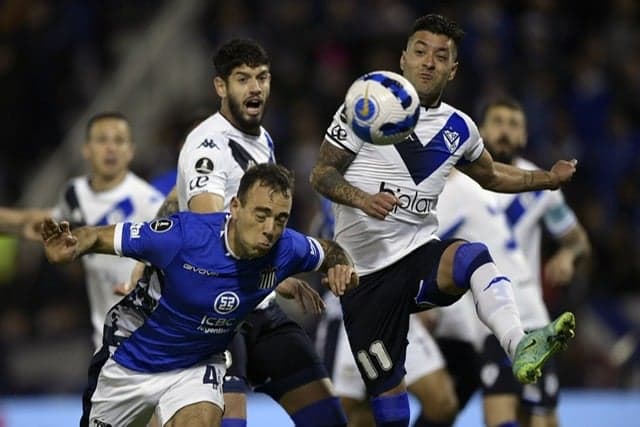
x: 537, y: 346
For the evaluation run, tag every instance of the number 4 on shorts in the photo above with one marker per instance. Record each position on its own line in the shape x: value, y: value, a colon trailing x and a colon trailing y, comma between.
x: 210, y: 376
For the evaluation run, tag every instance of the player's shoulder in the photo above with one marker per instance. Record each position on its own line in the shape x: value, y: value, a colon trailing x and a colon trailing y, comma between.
x: 199, y: 227
x: 210, y: 133
x: 451, y: 110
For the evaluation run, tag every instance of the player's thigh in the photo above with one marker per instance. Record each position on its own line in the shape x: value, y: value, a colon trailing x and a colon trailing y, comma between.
x: 376, y: 318
x: 122, y: 397
x: 195, y: 393
x: 346, y: 378
x: 235, y: 405
x: 282, y: 358
x: 427, y: 377
x: 201, y: 414
x: 499, y: 409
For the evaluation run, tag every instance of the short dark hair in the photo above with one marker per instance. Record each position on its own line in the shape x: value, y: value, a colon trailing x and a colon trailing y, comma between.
x: 438, y: 24
x: 270, y: 175
x: 237, y: 52
x: 502, y: 101
x: 102, y: 116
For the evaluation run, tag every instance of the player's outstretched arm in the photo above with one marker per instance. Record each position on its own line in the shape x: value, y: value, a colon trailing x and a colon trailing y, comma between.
x: 22, y: 222
x: 327, y: 177
x: 505, y: 178
x: 338, y: 267
x: 62, y: 246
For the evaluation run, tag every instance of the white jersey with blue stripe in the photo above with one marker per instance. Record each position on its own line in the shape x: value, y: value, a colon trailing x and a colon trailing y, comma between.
x: 526, y: 212
x: 414, y: 170
x: 467, y: 211
x: 131, y: 200
x: 214, y: 157
x: 191, y: 306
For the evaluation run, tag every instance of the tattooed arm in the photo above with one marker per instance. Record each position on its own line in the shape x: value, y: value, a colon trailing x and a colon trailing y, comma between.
x: 338, y: 267
x: 505, y: 178
x: 170, y: 204
x: 327, y: 177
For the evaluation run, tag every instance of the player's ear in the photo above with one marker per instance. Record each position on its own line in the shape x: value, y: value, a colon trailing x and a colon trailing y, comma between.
x: 234, y: 206
x: 402, y: 60
x: 454, y: 69
x: 221, y: 86
x: 86, y: 152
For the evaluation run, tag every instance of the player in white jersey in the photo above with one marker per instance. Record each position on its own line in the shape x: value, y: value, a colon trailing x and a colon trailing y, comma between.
x: 386, y: 219
x: 427, y: 377
x: 108, y: 194
x: 272, y: 354
x: 164, y: 343
x: 469, y: 212
x: 503, y: 128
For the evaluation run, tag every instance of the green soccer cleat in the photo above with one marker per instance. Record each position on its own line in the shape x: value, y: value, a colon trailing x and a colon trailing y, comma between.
x: 537, y: 346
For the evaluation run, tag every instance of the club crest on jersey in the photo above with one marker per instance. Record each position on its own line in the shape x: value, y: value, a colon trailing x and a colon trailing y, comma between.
x: 226, y: 302
x: 451, y: 138
x: 204, y: 165
x: 268, y: 278
x: 161, y: 225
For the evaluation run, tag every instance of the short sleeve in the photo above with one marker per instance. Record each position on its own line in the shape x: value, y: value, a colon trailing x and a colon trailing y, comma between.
x: 307, y: 252
x: 558, y: 217
x: 474, y: 147
x: 341, y: 135
x: 204, y: 166
x: 157, y: 241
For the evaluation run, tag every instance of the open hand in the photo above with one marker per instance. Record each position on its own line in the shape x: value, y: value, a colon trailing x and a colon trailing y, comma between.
x: 60, y: 245
x: 299, y: 290
x: 341, y: 278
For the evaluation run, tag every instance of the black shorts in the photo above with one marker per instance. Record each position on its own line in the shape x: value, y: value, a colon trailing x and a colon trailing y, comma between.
x: 497, y: 378
x: 273, y: 354
x: 376, y: 313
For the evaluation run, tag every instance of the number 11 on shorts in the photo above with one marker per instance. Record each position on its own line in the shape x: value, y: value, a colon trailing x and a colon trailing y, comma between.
x: 379, y: 352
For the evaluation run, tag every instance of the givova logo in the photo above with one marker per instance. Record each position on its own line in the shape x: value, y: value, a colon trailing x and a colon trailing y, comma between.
x: 226, y: 302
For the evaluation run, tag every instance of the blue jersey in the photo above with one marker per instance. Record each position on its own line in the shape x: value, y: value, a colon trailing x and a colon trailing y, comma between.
x: 190, y: 306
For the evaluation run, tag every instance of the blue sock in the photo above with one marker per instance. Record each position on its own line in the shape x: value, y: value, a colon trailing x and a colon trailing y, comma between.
x: 234, y: 422
x: 391, y: 411
x: 423, y: 422
x: 509, y: 424
x: 323, y: 413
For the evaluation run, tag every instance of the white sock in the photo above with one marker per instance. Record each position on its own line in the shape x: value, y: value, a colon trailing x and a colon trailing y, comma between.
x: 496, y: 306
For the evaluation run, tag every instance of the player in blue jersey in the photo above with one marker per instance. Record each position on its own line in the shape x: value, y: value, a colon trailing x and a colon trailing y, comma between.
x: 272, y: 354
x: 386, y: 219
x: 503, y: 128
x: 165, y: 342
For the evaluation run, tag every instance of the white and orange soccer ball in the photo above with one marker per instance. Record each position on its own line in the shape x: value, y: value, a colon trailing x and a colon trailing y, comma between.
x: 382, y: 107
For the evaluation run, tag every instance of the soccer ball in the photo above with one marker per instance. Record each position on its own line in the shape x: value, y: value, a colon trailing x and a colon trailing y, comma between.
x: 382, y: 107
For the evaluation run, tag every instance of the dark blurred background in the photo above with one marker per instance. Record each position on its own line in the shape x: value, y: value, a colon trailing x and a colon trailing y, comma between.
x: 575, y: 66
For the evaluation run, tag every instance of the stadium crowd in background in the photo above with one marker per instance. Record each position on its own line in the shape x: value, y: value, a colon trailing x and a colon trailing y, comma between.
x: 574, y: 66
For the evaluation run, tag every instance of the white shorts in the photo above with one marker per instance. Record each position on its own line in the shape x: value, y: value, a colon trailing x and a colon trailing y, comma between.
x: 127, y: 398
x: 423, y: 358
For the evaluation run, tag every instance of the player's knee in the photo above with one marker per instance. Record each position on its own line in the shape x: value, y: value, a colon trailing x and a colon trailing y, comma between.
x: 467, y: 259
x: 322, y: 413
x: 441, y: 407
